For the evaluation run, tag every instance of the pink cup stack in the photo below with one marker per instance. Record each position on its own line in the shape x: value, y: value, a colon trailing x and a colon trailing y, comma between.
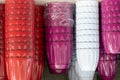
x: 107, y: 66
x: 111, y: 25
x: 59, y: 29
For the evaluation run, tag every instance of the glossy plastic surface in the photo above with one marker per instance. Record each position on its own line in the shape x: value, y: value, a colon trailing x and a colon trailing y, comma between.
x: 19, y: 28
x: 107, y: 67
x: 110, y: 25
x: 59, y: 24
x: 38, y: 68
x: 39, y: 43
x: 87, y: 38
x: 19, y: 68
x: 19, y: 39
x: 3, y: 75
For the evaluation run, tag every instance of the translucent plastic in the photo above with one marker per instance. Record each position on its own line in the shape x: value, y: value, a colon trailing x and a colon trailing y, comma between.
x: 110, y: 25
x: 43, y: 2
x: 59, y: 24
x: 19, y: 28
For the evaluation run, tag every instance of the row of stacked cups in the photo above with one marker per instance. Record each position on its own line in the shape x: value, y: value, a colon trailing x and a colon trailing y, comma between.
x: 24, y: 39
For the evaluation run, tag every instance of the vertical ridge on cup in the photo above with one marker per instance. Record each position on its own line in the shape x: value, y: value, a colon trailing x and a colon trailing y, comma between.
x: 3, y: 75
x: 19, y: 28
x: 110, y: 25
x: 39, y: 43
x: 59, y: 29
x: 19, y: 39
x: 87, y: 38
x: 107, y: 66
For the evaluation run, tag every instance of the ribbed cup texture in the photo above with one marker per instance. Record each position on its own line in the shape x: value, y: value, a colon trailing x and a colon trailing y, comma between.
x: 87, y: 38
x: 107, y: 66
x: 19, y: 39
x: 59, y: 29
x: 19, y: 28
x: 110, y: 10
x: 3, y: 75
x: 39, y: 43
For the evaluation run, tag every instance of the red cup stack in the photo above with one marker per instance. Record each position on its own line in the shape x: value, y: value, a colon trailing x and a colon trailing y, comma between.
x: 39, y: 43
x: 3, y: 75
x: 19, y: 39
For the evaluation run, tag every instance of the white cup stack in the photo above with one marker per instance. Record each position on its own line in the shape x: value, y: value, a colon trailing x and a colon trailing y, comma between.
x: 72, y: 73
x: 87, y: 38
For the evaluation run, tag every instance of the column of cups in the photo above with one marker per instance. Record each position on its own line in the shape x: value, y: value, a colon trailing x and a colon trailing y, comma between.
x: 87, y: 38
x: 110, y: 11
x: 87, y: 25
x: 59, y: 37
x: 19, y: 28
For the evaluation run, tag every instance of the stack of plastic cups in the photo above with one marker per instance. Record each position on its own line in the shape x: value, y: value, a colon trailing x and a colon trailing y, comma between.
x: 107, y: 66
x: 59, y: 35
x: 72, y: 73
x: 87, y: 38
x: 39, y: 43
x: 3, y: 75
x: 19, y: 39
x: 110, y: 11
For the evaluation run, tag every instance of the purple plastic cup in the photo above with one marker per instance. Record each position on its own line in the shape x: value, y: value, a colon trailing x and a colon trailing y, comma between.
x: 59, y: 36
x: 111, y: 42
x: 107, y: 66
x: 110, y: 25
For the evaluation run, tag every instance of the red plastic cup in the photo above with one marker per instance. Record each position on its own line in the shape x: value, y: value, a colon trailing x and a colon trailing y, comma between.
x: 39, y: 44
x: 19, y: 68
x: 19, y: 28
x: 3, y: 75
x: 38, y: 68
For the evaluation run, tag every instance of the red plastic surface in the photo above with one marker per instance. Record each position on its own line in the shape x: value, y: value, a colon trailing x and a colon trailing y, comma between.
x: 39, y: 43
x: 19, y: 68
x: 3, y: 75
x: 38, y: 68
x: 19, y: 28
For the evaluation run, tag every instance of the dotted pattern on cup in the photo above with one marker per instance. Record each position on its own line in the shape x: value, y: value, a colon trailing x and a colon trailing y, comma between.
x: 2, y: 22
x: 39, y: 30
x: 110, y: 11
x: 59, y: 33
x: 19, y: 28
